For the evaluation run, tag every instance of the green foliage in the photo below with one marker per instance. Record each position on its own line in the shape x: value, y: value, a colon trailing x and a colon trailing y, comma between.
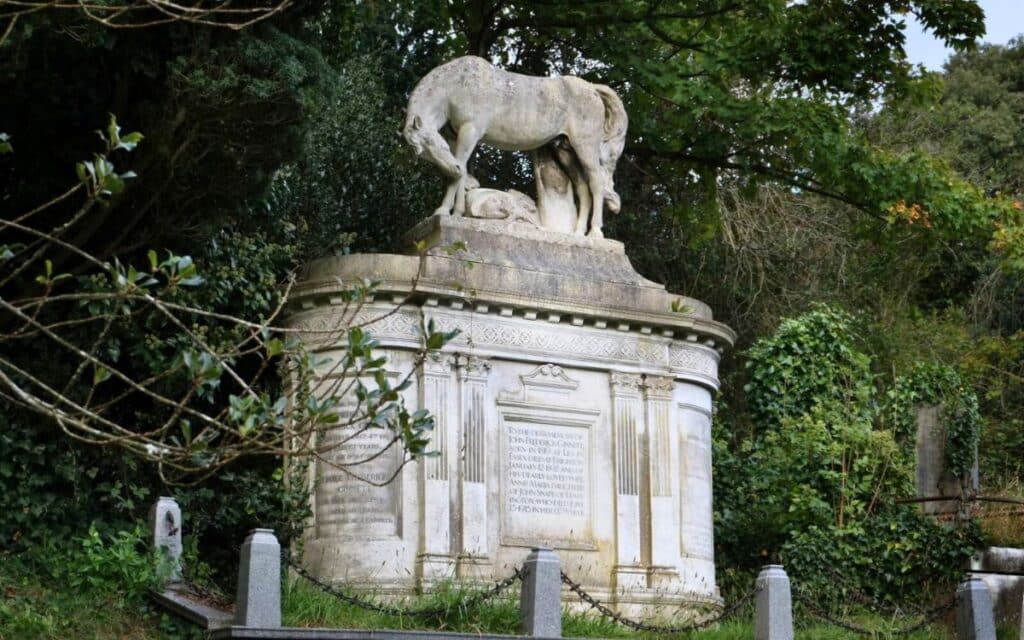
x: 813, y: 483
x: 934, y: 384
x: 809, y: 360
x: 120, y: 564
x: 894, y: 557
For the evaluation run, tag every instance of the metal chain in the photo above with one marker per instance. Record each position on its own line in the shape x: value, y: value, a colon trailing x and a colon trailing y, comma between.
x: 817, y: 612
x: 369, y: 605
x: 636, y: 625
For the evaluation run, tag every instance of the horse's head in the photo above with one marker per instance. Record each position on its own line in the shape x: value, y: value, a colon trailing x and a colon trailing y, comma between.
x: 413, y: 133
x: 426, y: 141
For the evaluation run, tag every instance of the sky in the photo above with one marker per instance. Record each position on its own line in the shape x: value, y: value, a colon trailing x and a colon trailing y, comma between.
x: 1004, y: 19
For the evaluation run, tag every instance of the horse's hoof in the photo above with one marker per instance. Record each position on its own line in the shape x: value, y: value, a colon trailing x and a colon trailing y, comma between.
x: 442, y: 211
x: 595, y: 233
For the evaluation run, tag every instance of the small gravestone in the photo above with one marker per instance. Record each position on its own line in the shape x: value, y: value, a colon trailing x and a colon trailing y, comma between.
x: 258, y: 600
x: 165, y: 525
x: 974, y: 618
x: 773, y: 616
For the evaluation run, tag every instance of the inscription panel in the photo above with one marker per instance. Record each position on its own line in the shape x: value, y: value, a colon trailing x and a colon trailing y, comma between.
x: 546, y: 481
x: 547, y: 470
x: 349, y: 504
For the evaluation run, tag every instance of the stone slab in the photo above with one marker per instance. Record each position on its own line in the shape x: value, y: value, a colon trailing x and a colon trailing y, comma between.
x: 181, y: 602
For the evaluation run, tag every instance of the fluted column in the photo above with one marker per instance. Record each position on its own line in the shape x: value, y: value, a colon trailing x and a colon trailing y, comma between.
x: 438, y: 396
x: 474, y: 412
x: 664, y: 548
x: 627, y: 429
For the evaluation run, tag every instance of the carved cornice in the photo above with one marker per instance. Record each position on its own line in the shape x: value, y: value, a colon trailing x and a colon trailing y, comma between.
x: 495, y: 331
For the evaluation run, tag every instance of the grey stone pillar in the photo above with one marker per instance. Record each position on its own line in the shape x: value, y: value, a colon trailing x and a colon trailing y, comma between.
x: 974, y: 618
x: 258, y: 601
x: 773, y: 615
x: 165, y: 526
x: 540, y: 604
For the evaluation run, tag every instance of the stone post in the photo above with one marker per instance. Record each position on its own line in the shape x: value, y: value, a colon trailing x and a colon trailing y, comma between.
x: 165, y: 525
x: 773, y: 615
x: 258, y: 600
x: 540, y: 604
x: 974, y: 618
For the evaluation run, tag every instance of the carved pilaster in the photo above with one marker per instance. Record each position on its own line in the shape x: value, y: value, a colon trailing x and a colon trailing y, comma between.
x: 437, y: 395
x: 664, y: 550
x: 627, y: 429
x: 475, y: 432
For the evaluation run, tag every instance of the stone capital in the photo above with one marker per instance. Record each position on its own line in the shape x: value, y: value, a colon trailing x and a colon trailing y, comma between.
x: 625, y: 383
x: 659, y: 387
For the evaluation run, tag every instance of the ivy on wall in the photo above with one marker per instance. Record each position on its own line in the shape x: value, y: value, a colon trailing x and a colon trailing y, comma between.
x: 937, y: 384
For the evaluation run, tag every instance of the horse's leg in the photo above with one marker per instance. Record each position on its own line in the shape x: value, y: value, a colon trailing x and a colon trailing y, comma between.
x: 438, y: 148
x: 591, y: 163
x: 469, y: 134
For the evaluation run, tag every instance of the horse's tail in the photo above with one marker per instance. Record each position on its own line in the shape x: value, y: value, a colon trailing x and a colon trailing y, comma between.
x: 615, y: 123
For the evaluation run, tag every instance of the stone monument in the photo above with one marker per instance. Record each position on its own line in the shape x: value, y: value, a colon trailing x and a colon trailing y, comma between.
x: 573, y: 409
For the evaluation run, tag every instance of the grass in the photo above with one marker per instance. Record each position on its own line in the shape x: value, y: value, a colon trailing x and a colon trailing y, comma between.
x: 306, y: 606
x: 32, y: 608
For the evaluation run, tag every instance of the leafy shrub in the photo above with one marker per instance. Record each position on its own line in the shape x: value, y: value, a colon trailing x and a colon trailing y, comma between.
x: 808, y: 360
x: 813, y: 483
x: 119, y: 565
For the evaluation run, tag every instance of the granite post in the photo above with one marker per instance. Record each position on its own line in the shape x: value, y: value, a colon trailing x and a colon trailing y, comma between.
x: 165, y: 525
x: 258, y: 600
x: 773, y: 616
x: 540, y: 604
x: 974, y: 618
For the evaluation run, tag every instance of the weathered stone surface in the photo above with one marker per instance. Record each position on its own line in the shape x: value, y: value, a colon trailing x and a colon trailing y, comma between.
x: 165, y: 525
x: 572, y: 411
x: 179, y: 600
x: 258, y: 600
x: 974, y: 619
x: 932, y: 478
x: 540, y: 604
x: 773, y: 616
x: 1002, y: 571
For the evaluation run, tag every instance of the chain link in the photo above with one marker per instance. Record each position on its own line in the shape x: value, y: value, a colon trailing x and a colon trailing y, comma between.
x: 929, y: 617
x: 637, y: 625
x: 369, y: 605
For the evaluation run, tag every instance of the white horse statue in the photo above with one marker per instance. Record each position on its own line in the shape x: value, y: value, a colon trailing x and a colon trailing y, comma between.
x: 471, y: 101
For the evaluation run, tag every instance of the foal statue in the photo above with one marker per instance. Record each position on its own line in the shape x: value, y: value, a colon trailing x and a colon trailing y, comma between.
x: 468, y: 100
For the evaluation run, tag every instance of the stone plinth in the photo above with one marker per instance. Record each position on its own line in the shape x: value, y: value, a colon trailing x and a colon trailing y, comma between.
x: 573, y: 411
x: 1002, y: 571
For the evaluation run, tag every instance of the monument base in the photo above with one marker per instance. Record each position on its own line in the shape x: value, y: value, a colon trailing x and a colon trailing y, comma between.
x: 572, y: 410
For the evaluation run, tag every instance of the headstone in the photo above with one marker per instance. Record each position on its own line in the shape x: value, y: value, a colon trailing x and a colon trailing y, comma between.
x: 572, y: 410
x: 974, y: 619
x: 933, y: 480
x: 165, y: 525
x: 258, y: 599
x: 773, y: 615
x: 540, y: 604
